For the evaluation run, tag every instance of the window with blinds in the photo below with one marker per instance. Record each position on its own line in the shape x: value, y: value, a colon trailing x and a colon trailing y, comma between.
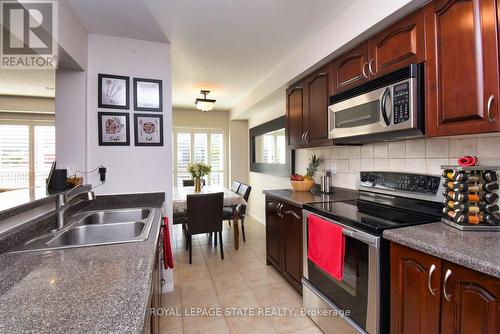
x: 199, y: 146
x: 26, y: 154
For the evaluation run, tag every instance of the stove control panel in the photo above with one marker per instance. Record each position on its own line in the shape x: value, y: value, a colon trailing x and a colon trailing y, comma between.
x: 417, y: 183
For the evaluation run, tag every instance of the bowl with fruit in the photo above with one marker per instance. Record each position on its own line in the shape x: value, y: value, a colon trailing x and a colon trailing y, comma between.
x: 305, y: 182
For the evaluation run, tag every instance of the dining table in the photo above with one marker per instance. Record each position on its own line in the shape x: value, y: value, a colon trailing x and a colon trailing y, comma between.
x: 231, y: 199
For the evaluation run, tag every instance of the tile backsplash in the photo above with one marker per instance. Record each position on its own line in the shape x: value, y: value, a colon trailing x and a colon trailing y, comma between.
x: 423, y: 155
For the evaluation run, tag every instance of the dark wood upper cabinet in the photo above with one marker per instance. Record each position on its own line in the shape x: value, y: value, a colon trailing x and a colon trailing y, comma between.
x: 474, y: 302
x: 414, y: 307
x: 400, y: 45
x: 462, y: 85
x: 351, y: 69
x: 292, y: 245
x: 317, y: 97
x: 295, y: 103
x: 307, y: 110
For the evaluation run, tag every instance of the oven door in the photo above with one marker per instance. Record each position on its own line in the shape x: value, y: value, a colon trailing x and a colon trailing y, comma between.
x: 364, y: 114
x: 359, y: 290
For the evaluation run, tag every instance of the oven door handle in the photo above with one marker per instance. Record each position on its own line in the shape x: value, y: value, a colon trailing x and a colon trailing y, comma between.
x: 361, y: 237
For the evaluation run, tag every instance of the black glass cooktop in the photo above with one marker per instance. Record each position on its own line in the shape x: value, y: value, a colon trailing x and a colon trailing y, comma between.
x: 371, y: 217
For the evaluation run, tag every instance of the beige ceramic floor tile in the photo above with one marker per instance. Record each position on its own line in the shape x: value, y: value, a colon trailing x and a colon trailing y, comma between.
x: 250, y: 325
x: 216, y: 326
x: 290, y: 318
x: 276, y: 294
x: 310, y: 330
x: 203, y: 288
x: 265, y: 276
x: 171, y: 298
x: 229, y: 283
x: 239, y: 299
x: 185, y: 274
x: 169, y: 322
x: 199, y: 311
x: 170, y: 330
x: 250, y: 265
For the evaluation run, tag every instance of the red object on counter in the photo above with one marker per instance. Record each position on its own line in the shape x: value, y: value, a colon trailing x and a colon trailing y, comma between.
x: 467, y: 160
x: 168, y: 258
x: 326, y: 245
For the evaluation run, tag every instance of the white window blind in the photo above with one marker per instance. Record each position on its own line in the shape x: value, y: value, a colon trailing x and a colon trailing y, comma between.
x: 203, y: 145
x: 14, y: 156
x: 45, y: 152
x: 26, y: 154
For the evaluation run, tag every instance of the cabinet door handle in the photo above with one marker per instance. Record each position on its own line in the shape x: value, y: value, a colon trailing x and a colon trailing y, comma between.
x: 446, y: 277
x: 364, y: 70
x: 280, y: 206
x: 303, y: 140
x: 488, y: 108
x: 370, y: 66
x: 429, y: 279
x: 290, y: 212
x: 306, y: 137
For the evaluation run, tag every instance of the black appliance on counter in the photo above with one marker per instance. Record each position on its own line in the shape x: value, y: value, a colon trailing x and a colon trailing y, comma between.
x: 386, y: 200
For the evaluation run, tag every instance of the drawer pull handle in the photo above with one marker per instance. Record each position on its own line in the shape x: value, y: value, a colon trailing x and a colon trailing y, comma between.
x: 446, y: 277
x: 488, y: 108
x: 429, y: 280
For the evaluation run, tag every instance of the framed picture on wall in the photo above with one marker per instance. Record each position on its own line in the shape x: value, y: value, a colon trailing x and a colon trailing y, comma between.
x: 113, y: 91
x: 147, y: 95
x: 148, y: 129
x: 113, y: 129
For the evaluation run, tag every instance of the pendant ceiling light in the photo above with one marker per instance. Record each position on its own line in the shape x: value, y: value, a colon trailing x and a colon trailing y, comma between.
x: 205, y: 104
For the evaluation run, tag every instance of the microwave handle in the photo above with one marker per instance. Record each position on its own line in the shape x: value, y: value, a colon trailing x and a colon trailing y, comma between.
x: 383, y: 107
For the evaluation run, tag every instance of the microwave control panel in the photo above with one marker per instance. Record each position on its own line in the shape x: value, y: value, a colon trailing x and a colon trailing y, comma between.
x: 401, y: 102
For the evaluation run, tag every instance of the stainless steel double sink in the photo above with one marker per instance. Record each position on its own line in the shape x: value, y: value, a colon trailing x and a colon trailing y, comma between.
x: 92, y: 228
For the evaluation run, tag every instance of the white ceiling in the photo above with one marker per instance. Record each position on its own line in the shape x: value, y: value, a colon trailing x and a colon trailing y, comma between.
x: 226, y: 46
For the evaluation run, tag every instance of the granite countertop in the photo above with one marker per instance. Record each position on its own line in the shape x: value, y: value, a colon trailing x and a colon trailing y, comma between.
x: 101, y: 289
x: 299, y: 198
x: 479, y: 251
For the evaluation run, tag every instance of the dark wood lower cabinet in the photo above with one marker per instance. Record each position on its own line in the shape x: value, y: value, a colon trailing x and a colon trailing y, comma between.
x: 284, y: 240
x: 474, y: 302
x: 430, y: 295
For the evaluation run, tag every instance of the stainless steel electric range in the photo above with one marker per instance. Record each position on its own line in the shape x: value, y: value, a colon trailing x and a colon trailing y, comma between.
x: 359, y: 303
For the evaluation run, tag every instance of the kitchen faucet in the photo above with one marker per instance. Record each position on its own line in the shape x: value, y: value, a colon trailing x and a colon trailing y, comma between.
x: 67, y: 200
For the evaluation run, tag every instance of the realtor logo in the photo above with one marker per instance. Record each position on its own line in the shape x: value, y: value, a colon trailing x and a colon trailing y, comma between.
x: 29, y: 34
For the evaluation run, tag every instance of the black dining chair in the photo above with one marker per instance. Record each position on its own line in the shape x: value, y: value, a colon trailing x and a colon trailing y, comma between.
x: 190, y: 183
x: 204, y: 215
x: 243, y: 190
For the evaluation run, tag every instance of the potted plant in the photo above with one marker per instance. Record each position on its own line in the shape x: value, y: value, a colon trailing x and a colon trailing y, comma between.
x: 198, y: 170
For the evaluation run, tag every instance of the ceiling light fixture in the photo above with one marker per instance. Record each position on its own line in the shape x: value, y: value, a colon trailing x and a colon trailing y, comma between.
x: 204, y: 104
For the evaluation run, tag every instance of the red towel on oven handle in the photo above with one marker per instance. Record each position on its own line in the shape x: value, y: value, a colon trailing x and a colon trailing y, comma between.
x: 168, y: 258
x: 326, y: 246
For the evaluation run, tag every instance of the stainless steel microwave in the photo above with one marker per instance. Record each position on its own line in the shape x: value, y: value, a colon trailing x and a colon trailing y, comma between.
x: 389, y: 107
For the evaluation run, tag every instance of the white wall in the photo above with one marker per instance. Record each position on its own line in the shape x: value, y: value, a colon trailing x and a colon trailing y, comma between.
x: 131, y: 169
x: 71, y: 120
x: 269, y: 109
x: 239, y: 151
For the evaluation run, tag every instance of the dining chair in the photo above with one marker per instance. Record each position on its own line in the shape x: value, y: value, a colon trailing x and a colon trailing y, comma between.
x: 235, y: 185
x: 243, y: 190
x: 204, y: 215
x: 190, y: 183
